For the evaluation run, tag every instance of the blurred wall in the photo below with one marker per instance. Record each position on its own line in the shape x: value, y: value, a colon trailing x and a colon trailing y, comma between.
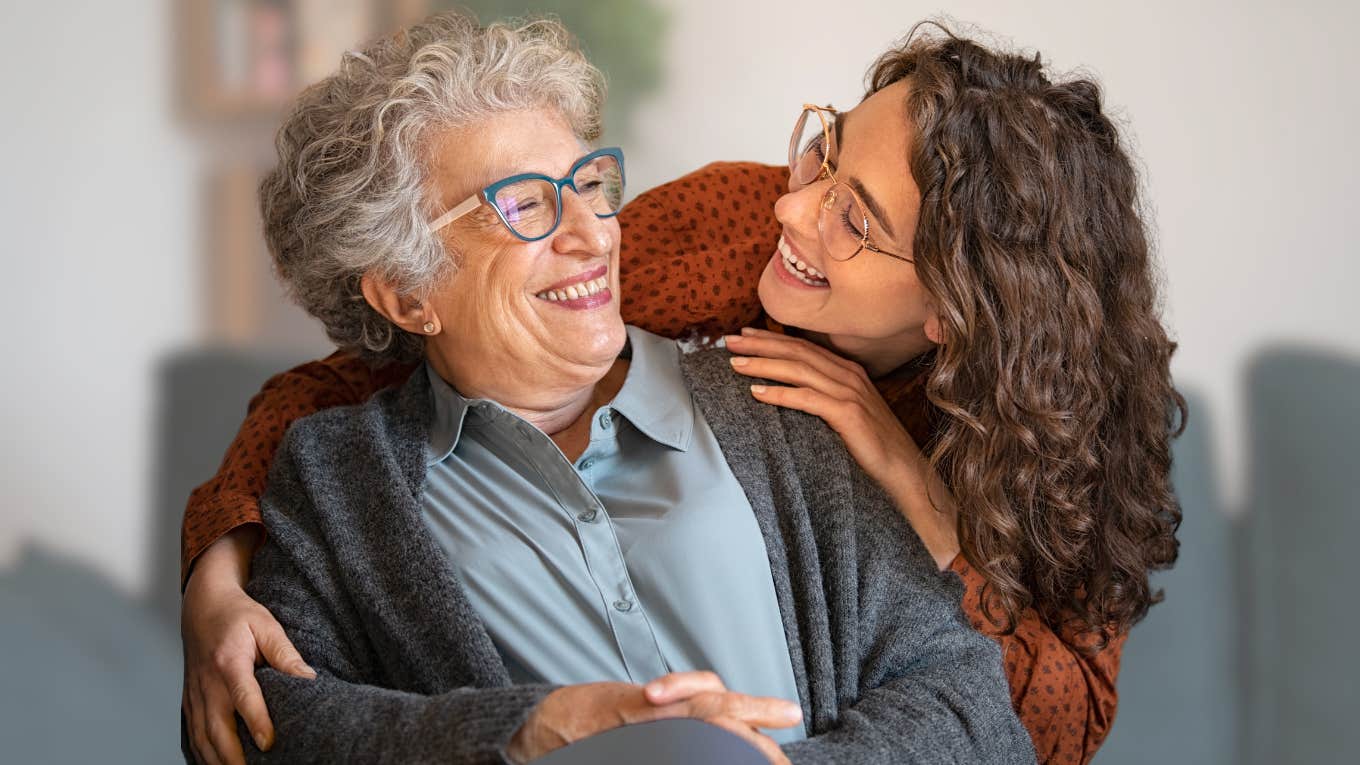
x: 99, y: 209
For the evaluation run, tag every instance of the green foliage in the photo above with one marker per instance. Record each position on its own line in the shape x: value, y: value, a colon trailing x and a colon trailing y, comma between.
x: 621, y: 37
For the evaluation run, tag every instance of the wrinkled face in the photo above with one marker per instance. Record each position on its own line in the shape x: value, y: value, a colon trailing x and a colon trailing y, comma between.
x: 522, y: 313
x: 870, y: 301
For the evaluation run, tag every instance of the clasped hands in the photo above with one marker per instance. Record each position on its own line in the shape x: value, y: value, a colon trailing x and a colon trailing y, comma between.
x: 575, y: 712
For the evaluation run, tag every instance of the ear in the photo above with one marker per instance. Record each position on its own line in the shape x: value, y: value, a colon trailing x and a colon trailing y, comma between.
x: 934, y: 332
x: 404, y: 311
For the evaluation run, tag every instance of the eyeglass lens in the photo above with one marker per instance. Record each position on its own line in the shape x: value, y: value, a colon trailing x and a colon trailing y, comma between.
x: 841, y: 222
x: 808, y: 148
x: 530, y: 207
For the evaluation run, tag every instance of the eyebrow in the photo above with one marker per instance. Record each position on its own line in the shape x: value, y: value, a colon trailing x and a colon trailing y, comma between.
x: 875, y: 209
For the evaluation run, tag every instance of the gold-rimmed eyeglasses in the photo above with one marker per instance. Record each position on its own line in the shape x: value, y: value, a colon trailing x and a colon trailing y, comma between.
x: 841, y: 221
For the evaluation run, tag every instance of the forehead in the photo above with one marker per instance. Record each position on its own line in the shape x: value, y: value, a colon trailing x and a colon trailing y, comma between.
x: 466, y: 159
x: 874, y: 148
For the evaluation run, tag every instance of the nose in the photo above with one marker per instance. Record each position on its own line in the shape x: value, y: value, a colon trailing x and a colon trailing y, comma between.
x: 581, y: 230
x: 798, y: 210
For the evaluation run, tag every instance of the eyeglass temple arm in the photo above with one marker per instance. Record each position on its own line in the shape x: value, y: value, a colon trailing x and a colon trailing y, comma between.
x: 463, y: 208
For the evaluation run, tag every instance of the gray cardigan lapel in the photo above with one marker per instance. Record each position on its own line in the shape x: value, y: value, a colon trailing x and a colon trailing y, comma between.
x: 757, y: 451
x: 436, y: 658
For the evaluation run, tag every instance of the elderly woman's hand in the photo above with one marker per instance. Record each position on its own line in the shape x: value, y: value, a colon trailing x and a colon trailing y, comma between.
x: 839, y: 391
x: 576, y: 712
x: 226, y: 634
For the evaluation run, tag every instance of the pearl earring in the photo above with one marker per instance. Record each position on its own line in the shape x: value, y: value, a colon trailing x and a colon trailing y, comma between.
x: 429, y: 328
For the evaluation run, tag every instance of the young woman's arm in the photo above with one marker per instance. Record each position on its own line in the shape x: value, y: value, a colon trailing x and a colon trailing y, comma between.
x: 225, y: 632
x: 1066, y: 698
x: 230, y: 498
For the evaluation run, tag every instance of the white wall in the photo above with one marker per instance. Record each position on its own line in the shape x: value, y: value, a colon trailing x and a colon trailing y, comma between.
x: 100, y: 254
x: 1243, y: 113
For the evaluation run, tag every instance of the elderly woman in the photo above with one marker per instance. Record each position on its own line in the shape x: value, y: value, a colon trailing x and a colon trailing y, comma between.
x: 494, y: 559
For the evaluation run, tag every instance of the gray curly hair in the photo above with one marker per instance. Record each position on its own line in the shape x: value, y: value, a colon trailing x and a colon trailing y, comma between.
x: 349, y: 194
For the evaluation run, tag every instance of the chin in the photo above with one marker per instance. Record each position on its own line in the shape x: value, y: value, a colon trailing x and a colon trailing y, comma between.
x: 777, y: 303
x: 603, y: 342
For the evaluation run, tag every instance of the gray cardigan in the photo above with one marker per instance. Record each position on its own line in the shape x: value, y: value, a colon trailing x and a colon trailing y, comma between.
x: 887, y: 669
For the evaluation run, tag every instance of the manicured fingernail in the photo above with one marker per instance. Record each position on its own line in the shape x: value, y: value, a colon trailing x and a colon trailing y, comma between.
x: 748, y: 331
x: 260, y: 742
x: 732, y: 338
x: 652, y: 689
x: 757, y: 389
x: 740, y: 361
x: 793, y: 714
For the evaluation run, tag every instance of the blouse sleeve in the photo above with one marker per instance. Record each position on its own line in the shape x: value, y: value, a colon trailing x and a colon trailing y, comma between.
x: 1064, y: 697
x: 230, y: 498
x: 693, y: 249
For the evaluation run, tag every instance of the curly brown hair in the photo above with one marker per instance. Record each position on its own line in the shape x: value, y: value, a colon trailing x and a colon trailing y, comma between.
x: 1053, y: 380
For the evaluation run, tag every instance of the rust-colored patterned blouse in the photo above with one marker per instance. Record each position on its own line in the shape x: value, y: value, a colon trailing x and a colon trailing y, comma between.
x: 693, y: 251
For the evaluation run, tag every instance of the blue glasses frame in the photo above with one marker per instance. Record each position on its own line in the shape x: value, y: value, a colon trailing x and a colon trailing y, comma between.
x: 487, y: 195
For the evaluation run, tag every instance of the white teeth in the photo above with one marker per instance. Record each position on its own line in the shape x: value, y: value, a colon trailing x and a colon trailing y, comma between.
x: 798, y: 268
x: 576, y: 291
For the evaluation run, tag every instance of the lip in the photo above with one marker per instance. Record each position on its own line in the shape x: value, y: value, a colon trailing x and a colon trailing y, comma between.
x: 584, y: 276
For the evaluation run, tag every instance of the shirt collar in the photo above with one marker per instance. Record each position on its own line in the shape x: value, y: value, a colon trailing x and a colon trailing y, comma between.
x: 654, y: 398
x: 446, y: 427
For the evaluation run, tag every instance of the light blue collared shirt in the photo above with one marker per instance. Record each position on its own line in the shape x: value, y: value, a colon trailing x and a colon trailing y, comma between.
x: 640, y: 559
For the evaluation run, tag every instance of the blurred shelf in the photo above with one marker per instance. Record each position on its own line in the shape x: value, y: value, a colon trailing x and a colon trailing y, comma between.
x: 245, y: 60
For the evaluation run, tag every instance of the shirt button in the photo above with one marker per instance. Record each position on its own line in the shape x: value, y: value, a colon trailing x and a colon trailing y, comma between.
x: 624, y: 605
x: 587, y: 516
x: 588, y: 463
x: 606, y: 421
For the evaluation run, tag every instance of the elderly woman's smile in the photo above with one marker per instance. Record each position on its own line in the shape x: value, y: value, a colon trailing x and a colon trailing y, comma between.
x: 583, y: 291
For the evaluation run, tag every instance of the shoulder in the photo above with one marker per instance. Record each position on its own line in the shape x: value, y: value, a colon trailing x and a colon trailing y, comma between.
x: 344, y: 440
x: 832, y: 482
x: 721, y: 393
x: 740, y: 421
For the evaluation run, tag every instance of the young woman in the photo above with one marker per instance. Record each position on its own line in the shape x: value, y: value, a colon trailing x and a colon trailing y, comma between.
x: 966, y: 266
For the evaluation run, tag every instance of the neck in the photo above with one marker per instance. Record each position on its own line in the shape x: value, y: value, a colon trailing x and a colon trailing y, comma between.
x: 551, y: 406
x: 878, y: 356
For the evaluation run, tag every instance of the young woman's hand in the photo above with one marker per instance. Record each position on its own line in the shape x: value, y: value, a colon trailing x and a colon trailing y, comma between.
x: 226, y: 634
x: 838, y: 390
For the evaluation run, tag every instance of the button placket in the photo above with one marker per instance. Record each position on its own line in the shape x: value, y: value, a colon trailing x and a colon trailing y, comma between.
x: 632, y: 630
